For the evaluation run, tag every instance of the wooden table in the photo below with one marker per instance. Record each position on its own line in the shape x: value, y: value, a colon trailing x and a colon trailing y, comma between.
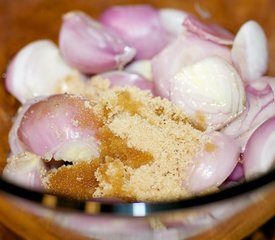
x: 28, y: 20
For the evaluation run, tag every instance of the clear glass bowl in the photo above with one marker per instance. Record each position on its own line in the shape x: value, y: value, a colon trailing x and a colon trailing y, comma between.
x: 228, y: 214
x: 140, y: 220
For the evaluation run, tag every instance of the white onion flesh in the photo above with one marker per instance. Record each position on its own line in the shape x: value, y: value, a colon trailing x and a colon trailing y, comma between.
x: 185, y: 50
x: 210, y: 92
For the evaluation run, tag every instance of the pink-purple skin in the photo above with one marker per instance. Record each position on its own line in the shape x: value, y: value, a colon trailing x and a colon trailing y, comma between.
x: 121, y: 78
x: 52, y: 122
x: 139, y: 26
x: 210, y: 32
x: 90, y: 47
x: 259, y: 154
x: 25, y: 172
x: 260, y: 106
x: 15, y: 144
x: 211, y: 167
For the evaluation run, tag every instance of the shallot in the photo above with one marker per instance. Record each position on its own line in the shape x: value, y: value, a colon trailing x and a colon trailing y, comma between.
x: 36, y: 70
x: 250, y: 51
x: 122, y: 78
x: 16, y: 146
x: 260, y: 106
x: 25, y: 170
x: 210, y: 92
x: 172, y: 20
x: 135, y: 24
x: 259, y: 154
x: 213, y: 163
x: 210, y: 32
x: 90, y: 47
x: 60, y: 127
x: 184, y: 50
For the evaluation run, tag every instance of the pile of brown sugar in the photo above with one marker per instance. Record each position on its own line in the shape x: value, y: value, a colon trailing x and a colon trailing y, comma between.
x: 146, y: 148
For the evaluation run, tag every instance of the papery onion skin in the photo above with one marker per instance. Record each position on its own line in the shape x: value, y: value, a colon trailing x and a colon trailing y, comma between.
x: 35, y: 70
x: 250, y: 51
x: 209, y: 92
x: 121, y: 78
x: 58, y: 122
x: 259, y: 154
x: 90, y: 47
x: 213, y: 163
x: 139, y: 26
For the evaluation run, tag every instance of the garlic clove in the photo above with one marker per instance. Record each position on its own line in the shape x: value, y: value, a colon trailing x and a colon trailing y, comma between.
x: 185, y: 50
x: 36, y: 70
x: 213, y: 163
x: 90, y: 47
x: 25, y: 170
x: 250, y: 51
x: 58, y: 126
x: 210, y: 92
x: 139, y: 26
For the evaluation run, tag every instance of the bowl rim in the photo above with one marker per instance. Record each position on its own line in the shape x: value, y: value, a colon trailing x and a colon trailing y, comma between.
x: 133, y: 209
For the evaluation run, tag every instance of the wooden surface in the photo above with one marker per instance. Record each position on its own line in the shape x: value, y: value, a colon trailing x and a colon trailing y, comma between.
x: 28, y: 20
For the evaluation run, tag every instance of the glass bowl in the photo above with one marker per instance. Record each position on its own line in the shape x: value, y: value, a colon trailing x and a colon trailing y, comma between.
x: 231, y: 213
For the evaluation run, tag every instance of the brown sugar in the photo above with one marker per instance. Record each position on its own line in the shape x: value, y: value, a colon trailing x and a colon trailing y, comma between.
x: 156, y: 127
x: 127, y: 103
x: 116, y: 148
x: 199, y: 121
x: 112, y: 177
x: 210, y: 147
x: 75, y: 181
x: 146, y: 148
